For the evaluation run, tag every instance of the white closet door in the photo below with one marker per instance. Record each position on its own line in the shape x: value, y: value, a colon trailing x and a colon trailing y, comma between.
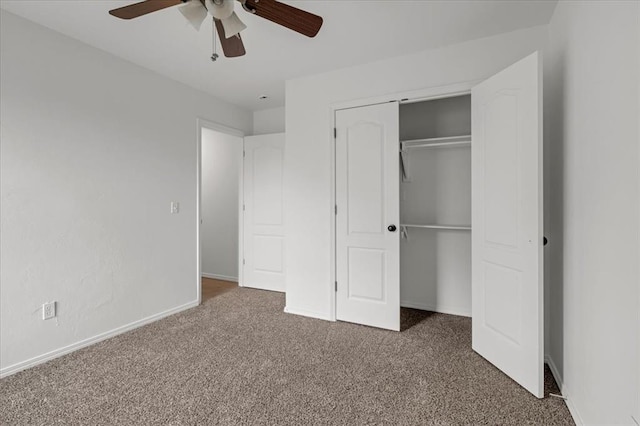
x: 263, y: 212
x: 507, y: 274
x: 368, y: 210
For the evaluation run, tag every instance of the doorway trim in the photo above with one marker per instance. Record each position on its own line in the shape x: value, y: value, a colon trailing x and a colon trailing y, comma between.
x: 203, y: 123
x: 429, y: 93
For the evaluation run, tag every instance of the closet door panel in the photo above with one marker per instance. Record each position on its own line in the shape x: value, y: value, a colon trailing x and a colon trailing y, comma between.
x: 367, y: 198
x: 507, y: 298
x: 365, y: 178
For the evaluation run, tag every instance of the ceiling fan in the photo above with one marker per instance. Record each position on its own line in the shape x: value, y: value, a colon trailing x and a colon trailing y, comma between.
x: 227, y: 23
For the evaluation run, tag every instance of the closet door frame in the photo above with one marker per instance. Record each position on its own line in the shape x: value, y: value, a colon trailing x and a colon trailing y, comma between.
x: 519, y: 257
x: 426, y: 94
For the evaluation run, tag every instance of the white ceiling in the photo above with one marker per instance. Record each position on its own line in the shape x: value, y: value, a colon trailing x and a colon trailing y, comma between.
x: 354, y: 32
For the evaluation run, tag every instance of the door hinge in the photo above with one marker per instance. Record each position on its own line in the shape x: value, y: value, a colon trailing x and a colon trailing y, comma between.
x: 244, y: 153
x: 336, y: 286
x: 336, y: 209
x: 243, y: 207
x: 335, y: 133
x: 244, y: 261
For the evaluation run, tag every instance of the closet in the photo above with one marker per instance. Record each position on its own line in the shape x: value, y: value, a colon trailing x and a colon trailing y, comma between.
x: 412, y: 178
x: 435, y: 205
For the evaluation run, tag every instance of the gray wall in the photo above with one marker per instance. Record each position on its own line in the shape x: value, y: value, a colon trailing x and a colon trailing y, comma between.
x: 592, y: 218
x: 269, y: 120
x: 93, y: 151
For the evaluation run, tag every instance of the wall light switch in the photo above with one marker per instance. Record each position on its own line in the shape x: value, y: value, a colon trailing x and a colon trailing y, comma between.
x: 175, y: 207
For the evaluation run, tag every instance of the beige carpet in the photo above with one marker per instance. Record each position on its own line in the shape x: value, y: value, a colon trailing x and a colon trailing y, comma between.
x: 238, y: 359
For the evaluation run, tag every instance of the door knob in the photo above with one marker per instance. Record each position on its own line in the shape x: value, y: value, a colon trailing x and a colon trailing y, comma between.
x: 392, y: 228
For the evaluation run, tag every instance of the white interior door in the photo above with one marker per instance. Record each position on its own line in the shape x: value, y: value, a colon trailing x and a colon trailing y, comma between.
x: 507, y: 240
x: 263, y: 212
x: 368, y: 210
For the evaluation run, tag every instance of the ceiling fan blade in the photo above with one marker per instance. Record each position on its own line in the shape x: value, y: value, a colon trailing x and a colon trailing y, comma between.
x: 232, y: 46
x: 142, y: 8
x: 288, y: 16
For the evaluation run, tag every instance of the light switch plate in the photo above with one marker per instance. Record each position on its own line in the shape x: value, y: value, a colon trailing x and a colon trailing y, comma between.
x: 175, y: 207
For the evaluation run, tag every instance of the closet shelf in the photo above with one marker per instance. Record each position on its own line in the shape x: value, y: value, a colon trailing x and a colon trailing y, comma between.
x: 450, y: 141
x: 453, y: 227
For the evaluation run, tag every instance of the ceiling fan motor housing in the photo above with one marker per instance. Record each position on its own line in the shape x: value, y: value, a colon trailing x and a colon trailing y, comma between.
x: 220, y: 9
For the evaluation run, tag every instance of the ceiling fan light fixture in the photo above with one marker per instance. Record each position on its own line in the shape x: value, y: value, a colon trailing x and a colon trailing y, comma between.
x: 194, y: 13
x: 233, y: 25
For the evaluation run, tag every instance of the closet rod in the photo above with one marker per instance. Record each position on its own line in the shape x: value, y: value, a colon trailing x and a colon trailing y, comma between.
x: 452, y: 227
x: 437, y: 142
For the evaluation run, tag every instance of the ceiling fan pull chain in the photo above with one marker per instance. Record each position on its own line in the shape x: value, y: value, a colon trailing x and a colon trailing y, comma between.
x: 214, y: 55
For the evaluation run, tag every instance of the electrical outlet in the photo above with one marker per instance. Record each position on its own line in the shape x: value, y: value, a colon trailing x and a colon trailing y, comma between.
x: 48, y: 310
x: 175, y: 207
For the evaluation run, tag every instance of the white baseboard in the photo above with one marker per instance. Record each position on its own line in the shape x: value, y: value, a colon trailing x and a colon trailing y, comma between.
x: 305, y: 313
x: 40, y: 359
x: 577, y: 418
x: 220, y: 277
x: 433, y: 308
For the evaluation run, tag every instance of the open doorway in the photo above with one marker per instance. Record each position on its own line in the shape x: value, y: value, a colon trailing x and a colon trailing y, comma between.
x: 220, y: 165
x: 240, y: 211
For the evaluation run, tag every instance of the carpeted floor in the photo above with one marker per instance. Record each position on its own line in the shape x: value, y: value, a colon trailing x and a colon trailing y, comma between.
x: 238, y: 359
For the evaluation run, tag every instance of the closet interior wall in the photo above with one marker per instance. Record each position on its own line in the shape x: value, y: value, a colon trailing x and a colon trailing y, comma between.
x: 435, y: 264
